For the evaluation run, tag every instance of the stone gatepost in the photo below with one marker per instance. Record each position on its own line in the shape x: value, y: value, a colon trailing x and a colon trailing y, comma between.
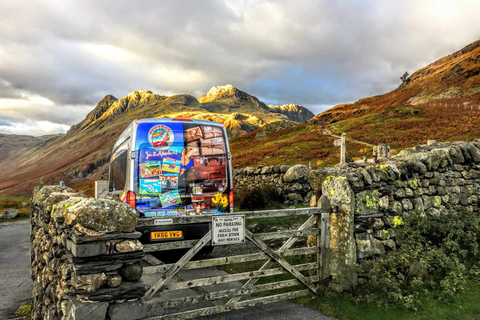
x: 342, y: 248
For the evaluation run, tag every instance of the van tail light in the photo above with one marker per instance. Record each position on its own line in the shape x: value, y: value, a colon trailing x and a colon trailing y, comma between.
x: 131, y: 199
x: 230, y: 198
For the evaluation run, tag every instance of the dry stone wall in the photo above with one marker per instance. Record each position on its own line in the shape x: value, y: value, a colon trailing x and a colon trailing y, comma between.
x: 85, y: 257
x: 430, y: 180
x: 290, y: 182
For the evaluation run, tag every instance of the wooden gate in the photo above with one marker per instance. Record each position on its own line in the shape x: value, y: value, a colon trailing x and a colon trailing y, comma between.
x: 299, y: 264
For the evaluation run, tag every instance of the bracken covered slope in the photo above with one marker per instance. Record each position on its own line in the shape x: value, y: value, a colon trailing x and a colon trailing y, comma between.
x: 439, y: 102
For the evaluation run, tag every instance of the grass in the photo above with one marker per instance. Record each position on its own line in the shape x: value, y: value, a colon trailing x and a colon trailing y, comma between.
x: 465, y: 307
x: 24, y: 311
x: 15, y: 202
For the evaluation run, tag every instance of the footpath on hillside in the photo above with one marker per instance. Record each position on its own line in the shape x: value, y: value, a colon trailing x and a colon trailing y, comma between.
x: 326, y: 131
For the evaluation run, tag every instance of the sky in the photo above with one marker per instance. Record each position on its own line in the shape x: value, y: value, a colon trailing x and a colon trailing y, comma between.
x: 58, y: 59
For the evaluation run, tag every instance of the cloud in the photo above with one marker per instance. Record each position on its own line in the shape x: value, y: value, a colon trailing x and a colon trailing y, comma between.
x: 70, y: 54
x: 31, y: 127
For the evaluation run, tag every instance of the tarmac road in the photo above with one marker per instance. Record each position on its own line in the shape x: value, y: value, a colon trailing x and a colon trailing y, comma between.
x: 15, y: 283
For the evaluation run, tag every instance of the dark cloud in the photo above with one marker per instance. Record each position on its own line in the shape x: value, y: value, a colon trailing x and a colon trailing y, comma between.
x: 314, y: 53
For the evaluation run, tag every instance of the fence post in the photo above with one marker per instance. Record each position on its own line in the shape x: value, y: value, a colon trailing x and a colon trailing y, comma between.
x: 343, y: 149
x: 323, y: 241
x: 338, y: 249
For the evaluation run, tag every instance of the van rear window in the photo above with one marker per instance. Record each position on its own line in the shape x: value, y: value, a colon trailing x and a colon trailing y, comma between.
x: 118, y: 172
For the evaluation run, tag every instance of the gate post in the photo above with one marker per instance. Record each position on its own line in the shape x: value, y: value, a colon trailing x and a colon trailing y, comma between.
x: 337, y: 236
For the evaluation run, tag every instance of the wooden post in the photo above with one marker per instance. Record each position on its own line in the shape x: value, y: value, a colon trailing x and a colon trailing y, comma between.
x: 101, y: 189
x: 383, y: 151
x: 343, y: 149
x: 323, y: 240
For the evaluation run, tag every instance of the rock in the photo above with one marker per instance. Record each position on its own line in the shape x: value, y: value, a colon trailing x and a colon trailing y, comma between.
x: 103, y: 215
x: 114, y: 281
x: 9, y: 214
x: 407, y: 205
x: 384, y: 234
x: 284, y: 169
x: 75, y: 309
x: 377, y: 245
x: 294, y: 197
x: 433, y: 212
x: 266, y: 170
x: 41, y: 193
x: 366, y: 202
x: 296, y: 187
x: 396, y: 207
x: 389, y: 244
x: 376, y: 223
x: 128, y: 246
x: 89, y: 282
x: 384, y: 203
x: 296, y: 173
x: 366, y: 176
x: 131, y: 272
x: 131, y: 310
x: 364, y: 249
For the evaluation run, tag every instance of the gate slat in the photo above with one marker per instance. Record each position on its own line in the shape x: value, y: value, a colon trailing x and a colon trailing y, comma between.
x: 174, y: 302
x: 238, y: 305
x: 155, y: 247
x: 280, y: 260
x: 230, y: 260
x: 151, y: 259
x: 290, y: 242
x: 143, y: 222
x: 236, y: 277
x: 178, y: 266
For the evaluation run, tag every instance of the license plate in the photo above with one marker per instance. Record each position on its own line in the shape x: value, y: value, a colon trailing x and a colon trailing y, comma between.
x: 166, y: 235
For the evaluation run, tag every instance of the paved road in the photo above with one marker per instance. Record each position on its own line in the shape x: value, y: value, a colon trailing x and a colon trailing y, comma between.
x: 15, y: 283
x: 284, y: 310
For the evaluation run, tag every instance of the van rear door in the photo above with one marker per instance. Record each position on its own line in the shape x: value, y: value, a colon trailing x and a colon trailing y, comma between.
x: 181, y: 169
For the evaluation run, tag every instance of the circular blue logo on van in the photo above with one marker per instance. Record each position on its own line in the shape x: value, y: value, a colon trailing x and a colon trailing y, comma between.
x: 161, y: 137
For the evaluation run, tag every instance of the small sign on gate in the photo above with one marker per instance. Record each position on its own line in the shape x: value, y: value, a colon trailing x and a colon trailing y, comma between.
x: 337, y: 142
x: 228, y: 230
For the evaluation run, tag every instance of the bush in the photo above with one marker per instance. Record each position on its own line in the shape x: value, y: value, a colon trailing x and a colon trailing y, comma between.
x: 435, y: 254
x: 257, y: 198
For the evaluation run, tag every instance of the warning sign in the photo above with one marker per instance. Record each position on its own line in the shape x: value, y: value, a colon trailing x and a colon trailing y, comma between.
x: 228, y: 230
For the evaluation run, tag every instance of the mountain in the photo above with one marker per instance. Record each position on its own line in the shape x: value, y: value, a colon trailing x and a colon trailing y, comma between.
x: 438, y: 102
x: 82, y: 154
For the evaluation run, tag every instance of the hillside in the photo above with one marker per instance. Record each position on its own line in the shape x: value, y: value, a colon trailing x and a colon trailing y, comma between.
x: 440, y: 102
x: 83, y: 153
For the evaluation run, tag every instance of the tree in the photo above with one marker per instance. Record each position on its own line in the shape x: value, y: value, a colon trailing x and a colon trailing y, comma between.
x: 404, y: 77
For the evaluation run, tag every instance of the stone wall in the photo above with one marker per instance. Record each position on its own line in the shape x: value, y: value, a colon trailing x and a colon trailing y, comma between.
x: 290, y: 182
x: 429, y: 180
x: 85, y: 257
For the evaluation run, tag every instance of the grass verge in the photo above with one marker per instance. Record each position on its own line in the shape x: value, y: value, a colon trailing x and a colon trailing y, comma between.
x: 466, y: 306
x: 15, y: 202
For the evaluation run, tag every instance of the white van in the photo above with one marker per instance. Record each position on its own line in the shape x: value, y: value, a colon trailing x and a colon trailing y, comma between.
x: 173, y: 167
